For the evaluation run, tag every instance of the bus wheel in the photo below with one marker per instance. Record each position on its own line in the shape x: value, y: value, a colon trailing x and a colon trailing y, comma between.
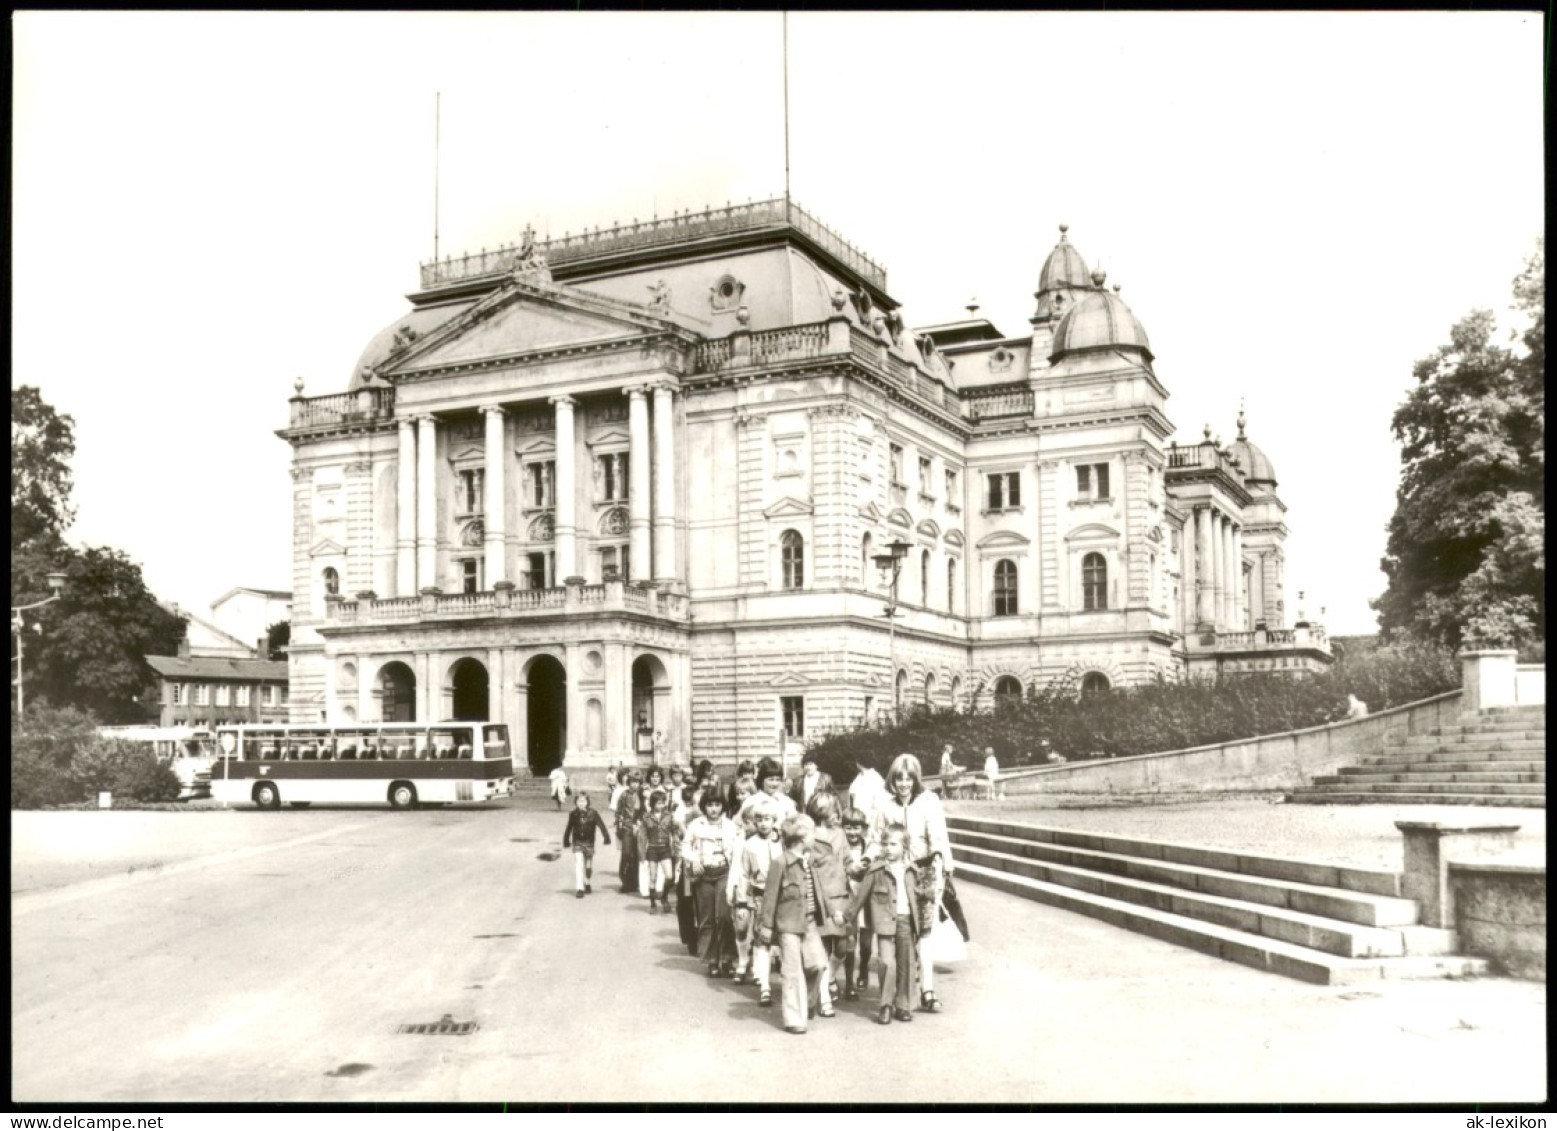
x: 267, y: 796
x: 402, y: 795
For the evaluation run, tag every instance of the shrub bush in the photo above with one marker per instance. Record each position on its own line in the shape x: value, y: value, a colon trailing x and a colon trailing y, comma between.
x: 57, y: 758
x: 1152, y: 717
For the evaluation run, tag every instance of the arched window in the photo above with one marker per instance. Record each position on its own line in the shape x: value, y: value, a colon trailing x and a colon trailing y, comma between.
x: 924, y: 578
x: 1094, y: 682
x: 956, y: 693
x: 865, y: 562
x: 1008, y: 692
x: 929, y: 689
x: 951, y: 585
x: 899, y: 691
x: 1005, y: 588
x: 1094, y: 582
x: 793, y: 550
x: 332, y: 582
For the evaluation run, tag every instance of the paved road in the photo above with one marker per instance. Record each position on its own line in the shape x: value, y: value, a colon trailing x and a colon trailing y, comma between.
x: 257, y: 957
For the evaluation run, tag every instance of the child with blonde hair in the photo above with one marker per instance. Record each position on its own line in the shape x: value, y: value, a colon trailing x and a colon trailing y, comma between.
x: 888, y: 895
x: 792, y: 913
x: 748, y: 885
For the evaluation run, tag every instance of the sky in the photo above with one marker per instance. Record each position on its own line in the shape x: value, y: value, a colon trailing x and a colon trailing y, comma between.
x: 1298, y: 206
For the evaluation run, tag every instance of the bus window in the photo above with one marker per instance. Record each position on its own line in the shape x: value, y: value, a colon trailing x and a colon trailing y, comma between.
x: 444, y: 741
x: 495, y: 742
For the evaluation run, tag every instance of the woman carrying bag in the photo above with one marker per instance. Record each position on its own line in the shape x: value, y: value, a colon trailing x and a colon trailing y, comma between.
x: 918, y: 810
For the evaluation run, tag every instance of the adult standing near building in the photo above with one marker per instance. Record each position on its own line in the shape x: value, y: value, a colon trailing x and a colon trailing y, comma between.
x: 910, y: 804
x: 866, y: 788
x: 811, y: 782
x: 559, y: 785
x: 950, y: 772
x: 991, y: 770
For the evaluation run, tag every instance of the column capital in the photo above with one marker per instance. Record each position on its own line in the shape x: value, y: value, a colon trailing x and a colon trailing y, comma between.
x: 562, y: 400
x: 406, y: 423
x: 491, y: 409
x: 425, y: 418
x: 634, y: 392
x: 664, y: 385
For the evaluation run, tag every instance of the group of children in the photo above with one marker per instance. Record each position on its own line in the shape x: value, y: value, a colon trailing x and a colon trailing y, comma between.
x: 759, y: 885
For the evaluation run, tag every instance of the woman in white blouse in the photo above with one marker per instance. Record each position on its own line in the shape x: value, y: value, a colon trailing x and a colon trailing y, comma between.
x: 906, y: 802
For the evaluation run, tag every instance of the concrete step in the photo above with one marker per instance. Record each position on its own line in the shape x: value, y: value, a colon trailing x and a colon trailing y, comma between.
x: 1321, y: 797
x: 1521, y: 710
x: 1318, y: 932
x: 1469, y: 742
x: 1456, y: 754
x: 1412, y: 785
x: 1519, y: 766
x: 1431, y: 773
x: 1515, y: 729
x: 1363, y: 909
x: 1366, y: 880
x: 1228, y: 943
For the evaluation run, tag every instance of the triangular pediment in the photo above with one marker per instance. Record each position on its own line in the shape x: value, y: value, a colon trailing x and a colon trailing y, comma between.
x: 611, y: 435
x: 789, y: 678
x: 465, y: 453
x: 788, y: 507
x: 522, y: 319
x: 326, y: 547
x: 871, y: 512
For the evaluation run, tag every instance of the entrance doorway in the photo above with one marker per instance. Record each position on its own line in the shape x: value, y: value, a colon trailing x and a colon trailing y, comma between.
x: 546, y: 714
x: 397, y: 693
x: 651, y: 693
x: 471, y: 700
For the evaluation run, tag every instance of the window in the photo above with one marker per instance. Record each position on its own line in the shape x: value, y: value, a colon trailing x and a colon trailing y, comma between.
x: 223, y: 695
x: 792, y: 548
x: 538, y: 569
x: 470, y: 491
x: 539, y: 478
x: 611, y: 477
x: 1094, y: 682
x: 1005, y: 588
x: 1092, y: 482
x: 178, y: 694
x: 241, y: 696
x: 953, y: 495
x: 1005, y: 490
x: 895, y: 456
x: 929, y: 689
x: 924, y: 578
x: 470, y: 575
x: 793, y: 708
x: 951, y: 585
x: 270, y: 695
x: 332, y: 582
x: 285, y: 692
x: 1094, y: 582
x: 1008, y: 692
x: 202, y: 695
x: 865, y: 563
x: 926, y: 486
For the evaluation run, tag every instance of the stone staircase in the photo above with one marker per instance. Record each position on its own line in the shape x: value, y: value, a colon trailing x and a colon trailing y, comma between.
x: 1491, y: 757
x: 1321, y: 923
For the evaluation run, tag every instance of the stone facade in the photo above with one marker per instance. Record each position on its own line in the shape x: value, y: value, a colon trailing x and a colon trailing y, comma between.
x: 651, y: 491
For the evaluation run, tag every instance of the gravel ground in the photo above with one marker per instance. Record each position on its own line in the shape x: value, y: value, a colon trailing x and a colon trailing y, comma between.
x: 1363, y: 836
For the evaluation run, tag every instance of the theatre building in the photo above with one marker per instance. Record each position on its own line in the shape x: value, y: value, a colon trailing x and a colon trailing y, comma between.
x: 654, y: 488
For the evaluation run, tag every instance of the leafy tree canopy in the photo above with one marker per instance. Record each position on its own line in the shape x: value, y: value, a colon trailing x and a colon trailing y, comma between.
x: 1466, y: 557
x: 42, y: 443
x: 277, y: 637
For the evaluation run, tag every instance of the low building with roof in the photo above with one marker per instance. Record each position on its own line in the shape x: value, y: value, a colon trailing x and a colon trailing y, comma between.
x: 207, y: 691
x: 666, y: 478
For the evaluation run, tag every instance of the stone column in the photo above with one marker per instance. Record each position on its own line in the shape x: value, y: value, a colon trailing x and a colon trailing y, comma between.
x: 1205, y: 569
x: 664, y: 485
x: 1224, y: 612
x: 1240, y: 601
x: 1218, y: 566
x: 405, y: 512
x: 496, y: 518
x: 426, y: 503
x: 566, y: 523
x: 638, y: 484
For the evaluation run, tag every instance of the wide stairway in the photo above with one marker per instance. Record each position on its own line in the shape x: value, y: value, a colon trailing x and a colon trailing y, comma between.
x: 1492, y: 757
x: 1321, y: 923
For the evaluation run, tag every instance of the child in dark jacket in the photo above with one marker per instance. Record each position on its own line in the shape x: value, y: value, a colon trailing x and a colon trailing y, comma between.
x: 887, y: 895
x: 583, y: 824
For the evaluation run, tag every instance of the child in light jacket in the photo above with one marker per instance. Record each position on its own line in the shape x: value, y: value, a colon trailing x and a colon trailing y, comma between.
x: 892, y: 913
x: 792, y: 913
x: 748, y: 884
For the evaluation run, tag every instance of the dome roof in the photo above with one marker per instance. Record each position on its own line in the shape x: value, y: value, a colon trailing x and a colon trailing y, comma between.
x: 409, y: 327
x: 1256, y: 465
x: 1064, y: 267
x: 1100, y: 320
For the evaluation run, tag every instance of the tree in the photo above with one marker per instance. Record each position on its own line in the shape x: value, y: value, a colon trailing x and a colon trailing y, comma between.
x: 1466, y: 552
x: 90, y: 648
x: 42, y: 442
x: 277, y: 637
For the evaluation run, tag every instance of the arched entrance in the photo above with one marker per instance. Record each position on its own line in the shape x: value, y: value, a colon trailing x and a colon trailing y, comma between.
x: 397, y: 693
x: 546, y: 714
x: 469, y: 680
x: 651, y: 704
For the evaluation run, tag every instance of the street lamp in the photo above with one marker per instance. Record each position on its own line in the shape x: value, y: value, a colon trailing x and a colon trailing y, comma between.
x: 57, y: 584
x: 891, y: 566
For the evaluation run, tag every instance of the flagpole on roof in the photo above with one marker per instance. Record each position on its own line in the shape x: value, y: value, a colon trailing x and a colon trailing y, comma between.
x: 437, y: 154
x: 786, y: 107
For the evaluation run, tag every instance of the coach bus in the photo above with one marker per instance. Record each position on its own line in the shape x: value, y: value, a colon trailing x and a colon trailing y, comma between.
x: 399, y: 764
x: 188, y: 751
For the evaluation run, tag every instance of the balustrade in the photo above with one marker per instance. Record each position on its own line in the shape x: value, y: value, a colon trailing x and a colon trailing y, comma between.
x: 982, y: 404
x: 342, y: 408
